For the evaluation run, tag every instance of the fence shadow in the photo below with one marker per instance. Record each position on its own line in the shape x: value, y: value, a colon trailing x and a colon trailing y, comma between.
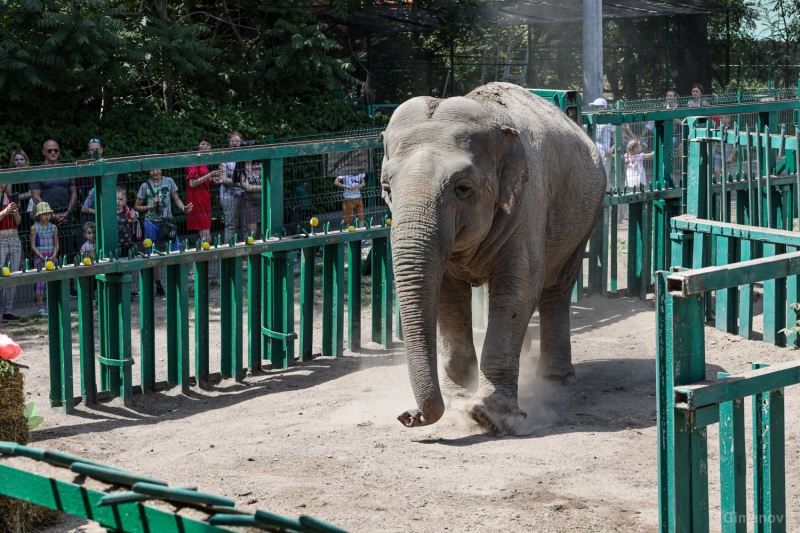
x: 155, y: 407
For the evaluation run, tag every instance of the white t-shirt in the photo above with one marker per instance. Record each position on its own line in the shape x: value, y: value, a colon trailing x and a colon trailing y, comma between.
x: 352, y: 180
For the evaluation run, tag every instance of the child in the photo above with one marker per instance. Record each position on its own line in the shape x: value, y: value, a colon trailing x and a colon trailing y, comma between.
x: 635, y: 174
x: 88, y: 247
x: 44, y: 244
x: 155, y: 202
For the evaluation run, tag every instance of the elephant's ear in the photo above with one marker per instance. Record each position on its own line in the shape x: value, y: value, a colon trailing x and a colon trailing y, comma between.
x: 512, y: 169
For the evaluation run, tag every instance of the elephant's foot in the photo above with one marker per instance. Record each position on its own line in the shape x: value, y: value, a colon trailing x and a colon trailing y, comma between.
x: 498, y: 415
x: 454, y: 392
x: 560, y: 373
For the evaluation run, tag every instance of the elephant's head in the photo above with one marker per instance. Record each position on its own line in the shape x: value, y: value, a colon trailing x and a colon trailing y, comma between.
x: 449, y: 170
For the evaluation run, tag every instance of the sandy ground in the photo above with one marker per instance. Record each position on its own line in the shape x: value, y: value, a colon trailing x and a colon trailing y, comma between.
x: 321, y: 438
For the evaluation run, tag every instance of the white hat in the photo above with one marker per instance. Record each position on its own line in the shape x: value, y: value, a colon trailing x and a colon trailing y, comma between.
x: 600, y: 102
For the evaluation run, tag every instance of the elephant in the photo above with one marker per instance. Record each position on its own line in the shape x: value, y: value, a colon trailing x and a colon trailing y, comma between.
x: 498, y: 187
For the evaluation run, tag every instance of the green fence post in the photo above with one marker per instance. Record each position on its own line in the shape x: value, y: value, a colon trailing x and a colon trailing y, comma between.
x: 733, y: 465
x: 201, y: 330
x: 333, y: 299
x: 254, y: 312
x: 86, y: 340
x: 272, y: 201
x: 59, y: 330
x: 595, y: 251
x: 231, y: 319
x: 746, y: 293
x: 680, y: 360
x: 774, y: 301
x: 280, y: 333
x: 727, y: 304
x: 381, y: 293
x: 177, y: 290
x: 354, y: 296
x: 769, y: 461
x: 613, y: 245
x: 115, y: 341
x: 306, y: 303
x: 792, y: 297
x: 147, y: 332
x: 638, y: 249
x: 662, y: 154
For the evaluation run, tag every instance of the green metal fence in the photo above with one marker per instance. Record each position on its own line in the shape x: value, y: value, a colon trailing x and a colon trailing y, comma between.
x: 726, y: 259
x: 770, y: 120
x: 688, y: 403
x: 129, y: 510
x: 284, y: 248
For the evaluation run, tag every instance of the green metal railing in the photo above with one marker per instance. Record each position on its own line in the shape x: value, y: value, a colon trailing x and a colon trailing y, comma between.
x: 127, y: 511
x: 270, y: 324
x: 727, y: 259
x: 651, y: 208
x: 688, y: 404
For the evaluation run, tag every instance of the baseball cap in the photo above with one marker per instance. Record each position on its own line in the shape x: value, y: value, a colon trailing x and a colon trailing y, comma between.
x: 600, y: 102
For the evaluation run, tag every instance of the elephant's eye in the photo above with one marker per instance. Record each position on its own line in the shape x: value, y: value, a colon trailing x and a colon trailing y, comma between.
x: 464, y: 188
x: 387, y: 193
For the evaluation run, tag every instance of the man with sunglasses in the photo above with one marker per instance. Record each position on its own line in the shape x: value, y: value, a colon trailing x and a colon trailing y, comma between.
x: 61, y: 194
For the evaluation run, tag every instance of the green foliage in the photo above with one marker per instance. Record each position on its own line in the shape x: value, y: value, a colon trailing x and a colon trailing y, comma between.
x: 6, y: 367
x: 34, y: 422
x: 796, y: 328
x: 146, y: 128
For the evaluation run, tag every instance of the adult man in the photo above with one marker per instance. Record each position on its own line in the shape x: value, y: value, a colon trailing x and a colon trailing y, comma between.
x: 61, y: 194
x: 351, y: 184
x: 604, y: 140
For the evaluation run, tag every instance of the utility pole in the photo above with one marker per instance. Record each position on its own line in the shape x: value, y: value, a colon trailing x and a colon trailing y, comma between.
x: 592, y: 50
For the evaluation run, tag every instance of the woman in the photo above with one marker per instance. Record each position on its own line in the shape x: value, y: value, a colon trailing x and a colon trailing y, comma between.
x: 10, y: 245
x: 231, y: 193
x: 252, y: 197
x: 198, y: 194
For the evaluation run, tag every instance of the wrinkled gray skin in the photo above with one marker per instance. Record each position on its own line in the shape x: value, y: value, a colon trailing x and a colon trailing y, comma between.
x: 497, y: 187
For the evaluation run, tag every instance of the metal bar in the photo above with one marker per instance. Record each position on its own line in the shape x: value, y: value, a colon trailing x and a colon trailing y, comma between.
x: 333, y: 300
x: 381, y: 293
x: 254, y: 312
x: 614, y: 251
x: 274, y: 197
x: 190, y: 256
x: 354, y: 296
x: 60, y: 345
x: 201, y: 326
x: 178, y: 326
x: 126, y: 165
x: 716, y: 391
x: 774, y: 300
x: 724, y: 176
x: 746, y: 293
x: 147, y: 332
x: 86, y: 340
x: 616, y: 117
x: 792, y: 297
x: 771, y: 222
x: 306, y: 303
x: 775, y: 236
x: 635, y: 252
x: 733, y: 467
x: 727, y: 303
x: 231, y: 319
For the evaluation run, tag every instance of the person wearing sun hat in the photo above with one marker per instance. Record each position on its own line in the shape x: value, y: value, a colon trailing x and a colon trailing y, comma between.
x: 604, y: 140
x: 44, y: 245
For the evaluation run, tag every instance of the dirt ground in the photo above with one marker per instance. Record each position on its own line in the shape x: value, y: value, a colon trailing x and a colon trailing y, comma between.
x: 322, y: 437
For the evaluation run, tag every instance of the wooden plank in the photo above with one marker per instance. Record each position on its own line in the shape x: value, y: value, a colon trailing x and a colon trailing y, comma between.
x: 254, y: 312
x: 178, y: 326
x: 231, y: 319
x: 354, y: 296
x: 733, y: 466
x: 86, y: 340
x: 727, y: 304
x: 774, y: 301
x: 60, y: 345
x: 306, y: 303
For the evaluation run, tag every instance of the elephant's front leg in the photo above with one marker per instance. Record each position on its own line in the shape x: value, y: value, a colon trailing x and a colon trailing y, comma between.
x: 511, y: 304
x: 460, y: 379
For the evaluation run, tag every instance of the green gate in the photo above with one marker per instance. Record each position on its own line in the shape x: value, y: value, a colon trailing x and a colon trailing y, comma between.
x: 726, y: 259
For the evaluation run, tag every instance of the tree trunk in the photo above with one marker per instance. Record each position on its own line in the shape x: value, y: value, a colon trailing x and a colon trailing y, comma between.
x: 693, y: 54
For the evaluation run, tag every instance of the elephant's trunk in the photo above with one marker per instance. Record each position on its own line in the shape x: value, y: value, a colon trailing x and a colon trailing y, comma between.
x: 421, y: 246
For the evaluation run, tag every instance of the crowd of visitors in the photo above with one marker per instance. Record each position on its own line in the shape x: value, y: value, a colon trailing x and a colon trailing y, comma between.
x: 634, y: 146
x: 59, y: 215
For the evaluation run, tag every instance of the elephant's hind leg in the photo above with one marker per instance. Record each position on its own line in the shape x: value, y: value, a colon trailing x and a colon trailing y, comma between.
x: 555, y: 360
x: 460, y: 379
